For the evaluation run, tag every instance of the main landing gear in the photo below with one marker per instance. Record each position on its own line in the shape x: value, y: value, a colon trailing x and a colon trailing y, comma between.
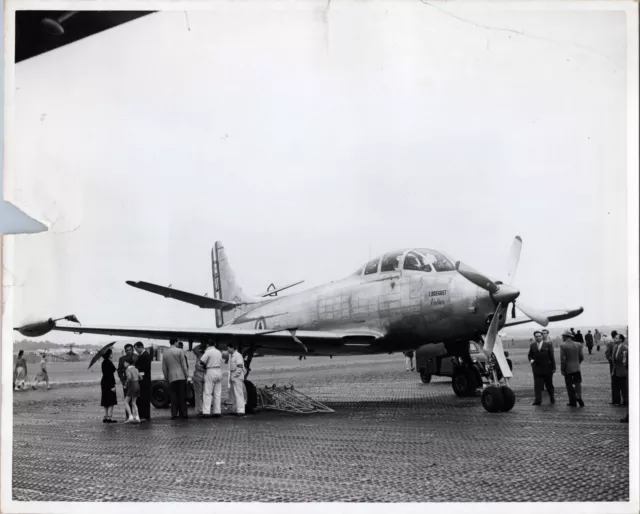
x: 497, y: 397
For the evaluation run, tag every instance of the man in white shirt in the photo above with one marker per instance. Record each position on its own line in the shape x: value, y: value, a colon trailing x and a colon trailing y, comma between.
x: 212, y: 362
x: 236, y: 375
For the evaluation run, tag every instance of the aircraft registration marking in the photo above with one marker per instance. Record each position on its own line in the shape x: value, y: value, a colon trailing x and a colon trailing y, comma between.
x: 440, y: 292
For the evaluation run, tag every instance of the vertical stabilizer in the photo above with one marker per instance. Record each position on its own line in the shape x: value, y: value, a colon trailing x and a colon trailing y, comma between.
x: 224, y: 285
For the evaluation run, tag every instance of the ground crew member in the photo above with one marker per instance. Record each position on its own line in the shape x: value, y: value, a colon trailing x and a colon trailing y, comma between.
x: 236, y: 376
x: 212, y: 361
x: 543, y: 365
x: 570, y: 359
x: 588, y: 339
x: 198, y: 378
x: 408, y: 357
x: 608, y: 353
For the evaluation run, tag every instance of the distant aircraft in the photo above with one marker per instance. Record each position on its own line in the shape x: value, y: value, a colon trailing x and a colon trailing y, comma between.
x: 402, y: 300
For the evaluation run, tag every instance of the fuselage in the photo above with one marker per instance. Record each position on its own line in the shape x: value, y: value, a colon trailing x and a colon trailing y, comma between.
x: 408, y: 299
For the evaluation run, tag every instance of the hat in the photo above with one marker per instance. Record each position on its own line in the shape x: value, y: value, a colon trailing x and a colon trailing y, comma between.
x: 567, y: 333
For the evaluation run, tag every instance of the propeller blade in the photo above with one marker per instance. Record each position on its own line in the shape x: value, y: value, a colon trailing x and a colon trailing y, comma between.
x: 498, y: 351
x: 477, y: 278
x: 514, y: 258
x: 534, y: 314
x: 492, y: 333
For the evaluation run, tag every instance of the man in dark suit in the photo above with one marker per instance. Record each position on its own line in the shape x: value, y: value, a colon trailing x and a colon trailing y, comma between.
x: 608, y: 352
x: 176, y: 374
x: 620, y: 372
x: 570, y: 358
x: 143, y: 363
x: 543, y: 365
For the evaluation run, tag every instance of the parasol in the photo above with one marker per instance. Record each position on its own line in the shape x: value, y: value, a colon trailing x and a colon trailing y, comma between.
x: 101, y: 352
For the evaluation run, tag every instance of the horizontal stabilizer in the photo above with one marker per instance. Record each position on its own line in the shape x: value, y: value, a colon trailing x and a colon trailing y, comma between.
x: 204, y: 302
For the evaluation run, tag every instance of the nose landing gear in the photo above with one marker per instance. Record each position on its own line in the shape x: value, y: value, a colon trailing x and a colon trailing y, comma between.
x: 497, y: 397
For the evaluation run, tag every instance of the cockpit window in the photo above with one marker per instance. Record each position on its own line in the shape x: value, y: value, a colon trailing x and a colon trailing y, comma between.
x: 437, y: 260
x: 417, y: 262
x: 371, y: 267
x: 391, y: 261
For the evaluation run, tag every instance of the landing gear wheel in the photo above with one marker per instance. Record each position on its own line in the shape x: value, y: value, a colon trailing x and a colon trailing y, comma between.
x: 252, y: 397
x: 492, y: 399
x: 425, y: 377
x: 160, y: 397
x: 509, y: 398
x: 464, y: 383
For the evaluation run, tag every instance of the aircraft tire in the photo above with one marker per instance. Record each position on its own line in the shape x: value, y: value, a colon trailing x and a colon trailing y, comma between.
x: 492, y: 399
x: 251, y: 397
x: 425, y: 377
x: 464, y: 382
x: 160, y: 394
x: 509, y: 398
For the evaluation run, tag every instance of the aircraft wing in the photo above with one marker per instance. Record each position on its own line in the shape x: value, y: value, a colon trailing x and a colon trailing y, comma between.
x: 204, y: 302
x: 555, y: 315
x: 289, y: 340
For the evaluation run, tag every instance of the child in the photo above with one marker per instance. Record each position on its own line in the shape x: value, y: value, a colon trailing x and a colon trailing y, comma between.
x: 133, y: 392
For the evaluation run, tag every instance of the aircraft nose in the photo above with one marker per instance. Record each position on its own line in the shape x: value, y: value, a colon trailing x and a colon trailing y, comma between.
x: 506, y: 294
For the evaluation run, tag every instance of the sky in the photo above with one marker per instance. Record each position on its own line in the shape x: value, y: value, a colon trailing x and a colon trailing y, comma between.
x: 309, y: 140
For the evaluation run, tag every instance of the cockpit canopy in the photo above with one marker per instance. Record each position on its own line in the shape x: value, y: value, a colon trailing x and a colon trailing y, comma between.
x: 416, y: 259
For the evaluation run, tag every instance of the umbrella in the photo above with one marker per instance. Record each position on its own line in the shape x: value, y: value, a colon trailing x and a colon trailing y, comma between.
x: 101, y: 352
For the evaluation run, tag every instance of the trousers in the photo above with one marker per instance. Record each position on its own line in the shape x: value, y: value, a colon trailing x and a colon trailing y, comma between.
x: 574, y: 388
x: 620, y: 390
x: 540, y: 381
x: 178, y: 398
x: 198, y: 391
x: 236, y: 394
x: 212, y: 387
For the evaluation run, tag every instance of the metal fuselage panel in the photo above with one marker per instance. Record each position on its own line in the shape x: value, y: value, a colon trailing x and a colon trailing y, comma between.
x: 410, y: 307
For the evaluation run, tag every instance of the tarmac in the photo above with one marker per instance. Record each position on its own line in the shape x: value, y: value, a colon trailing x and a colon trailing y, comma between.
x: 390, y: 439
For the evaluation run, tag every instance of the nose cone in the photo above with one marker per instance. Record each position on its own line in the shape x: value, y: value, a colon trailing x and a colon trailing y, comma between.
x: 506, y: 294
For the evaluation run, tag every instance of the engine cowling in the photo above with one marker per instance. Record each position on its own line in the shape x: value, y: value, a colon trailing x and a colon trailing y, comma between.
x: 37, y: 329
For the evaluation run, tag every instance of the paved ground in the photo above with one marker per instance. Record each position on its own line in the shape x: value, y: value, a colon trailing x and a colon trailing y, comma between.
x: 391, y: 439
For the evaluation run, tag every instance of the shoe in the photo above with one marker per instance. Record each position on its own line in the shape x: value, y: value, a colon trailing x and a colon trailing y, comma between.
x: 536, y: 403
x: 216, y: 415
x: 552, y: 401
x: 571, y: 405
x: 128, y: 420
x: 33, y: 387
x: 174, y: 417
x: 112, y: 421
x: 581, y: 403
x: 105, y: 420
x: 625, y: 419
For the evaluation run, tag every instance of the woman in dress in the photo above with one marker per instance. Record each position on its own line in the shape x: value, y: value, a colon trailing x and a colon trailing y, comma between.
x: 43, y: 375
x: 108, y: 384
x: 21, y: 371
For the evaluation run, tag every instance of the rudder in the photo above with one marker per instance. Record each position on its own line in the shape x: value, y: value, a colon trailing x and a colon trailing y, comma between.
x: 225, y: 286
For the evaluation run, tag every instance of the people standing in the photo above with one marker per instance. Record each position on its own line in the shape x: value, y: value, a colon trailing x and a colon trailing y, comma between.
x: 597, y: 337
x: 133, y: 392
x: 588, y: 339
x: 236, y: 376
x: 43, y: 374
x: 212, y: 361
x: 408, y: 359
x: 543, y: 365
x: 108, y: 386
x: 620, y: 372
x: 570, y: 358
x: 579, y: 338
x: 608, y: 354
x: 175, y: 373
x: 20, y: 371
x: 198, y: 378
x: 143, y: 365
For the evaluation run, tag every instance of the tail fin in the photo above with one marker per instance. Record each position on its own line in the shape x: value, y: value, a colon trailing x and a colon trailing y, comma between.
x: 225, y: 286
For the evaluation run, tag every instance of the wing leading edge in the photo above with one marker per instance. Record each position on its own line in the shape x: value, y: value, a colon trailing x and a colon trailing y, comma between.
x: 290, y: 339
